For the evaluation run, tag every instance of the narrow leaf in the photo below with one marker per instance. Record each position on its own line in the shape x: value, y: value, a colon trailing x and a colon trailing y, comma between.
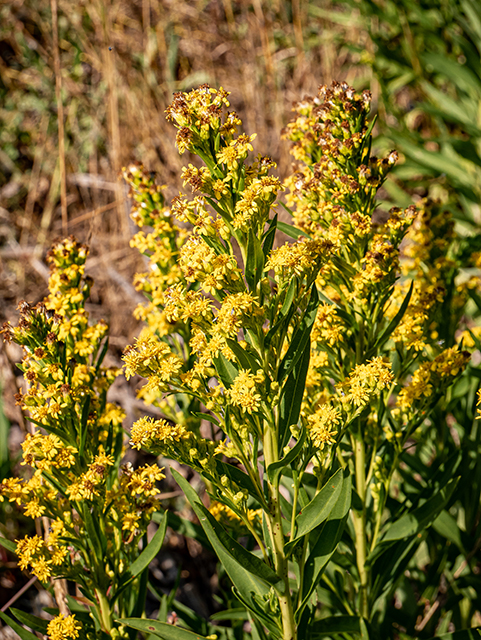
x: 412, y: 523
x: 300, y: 339
x: 326, y: 544
x: 35, y: 623
x: 250, y: 587
x: 320, y: 506
x: 334, y: 624
x: 160, y: 629
x: 151, y: 550
x: 8, y: 544
x: 269, y: 236
x: 226, y: 370
x: 292, y: 395
x: 291, y: 231
x: 245, y: 558
x: 275, y: 469
x: 19, y: 630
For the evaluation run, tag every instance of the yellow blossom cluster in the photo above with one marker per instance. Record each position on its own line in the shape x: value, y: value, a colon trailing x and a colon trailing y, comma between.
x: 366, y: 381
x: 74, y: 450
x: 431, y: 379
x: 323, y: 426
x: 64, y: 628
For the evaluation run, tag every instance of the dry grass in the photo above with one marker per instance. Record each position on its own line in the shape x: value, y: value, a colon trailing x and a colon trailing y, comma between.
x: 83, y: 91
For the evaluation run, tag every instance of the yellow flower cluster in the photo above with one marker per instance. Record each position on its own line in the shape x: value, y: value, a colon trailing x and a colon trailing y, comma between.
x: 431, y: 379
x: 323, y: 426
x: 63, y: 628
x: 366, y: 381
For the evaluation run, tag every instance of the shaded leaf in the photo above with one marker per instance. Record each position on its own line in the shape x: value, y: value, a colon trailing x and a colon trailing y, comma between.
x: 19, y: 630
x: 320, y: 506
x: 160, y: 629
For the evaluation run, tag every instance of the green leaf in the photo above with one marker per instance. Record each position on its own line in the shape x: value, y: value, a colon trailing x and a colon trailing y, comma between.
x: 291, y: 231
x: 275, y: 469
x: 246, y: 360
x: 240, y: 555
x: 249, y: 586
x: 8, y: 544
x: 35, y: 623
x: 385, y: 335
x: 320, y: 507
x: 334, y: 624
x: 447, y: 527
x: 226, y: 370
x: 269, y: 236
x: 142, y: 562
x: 410, y: 524
x: 160, y: 629
x: 292, y: 395
x: 92, y: 533
x: 255, y: 258
x: 301, y: 337
x: 83, y: 425
x: 238, y: 476
x: 185, y: 528
x: 102, y: 355
x: 19, y: 630
x: 150, y: 551
x: 326, y: 544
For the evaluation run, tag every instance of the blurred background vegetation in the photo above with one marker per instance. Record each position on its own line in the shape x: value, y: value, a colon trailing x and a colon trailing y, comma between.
x: 84, y: 86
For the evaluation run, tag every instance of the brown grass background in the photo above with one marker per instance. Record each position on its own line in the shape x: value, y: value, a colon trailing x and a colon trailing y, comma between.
x: 83, y: 89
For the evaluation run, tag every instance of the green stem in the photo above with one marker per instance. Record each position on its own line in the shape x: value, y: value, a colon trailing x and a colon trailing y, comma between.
x: 274, y: 523
x: 359, y: 521
x: 105, y: 612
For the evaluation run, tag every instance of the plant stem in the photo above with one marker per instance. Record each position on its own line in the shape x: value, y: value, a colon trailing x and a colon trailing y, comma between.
x: 274, y: 522
x: 105, y: 611
x: 359, y: 521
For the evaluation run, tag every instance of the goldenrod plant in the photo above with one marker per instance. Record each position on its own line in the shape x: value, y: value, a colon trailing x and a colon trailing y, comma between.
x: 309, y: 355
x: 319, y: 352
x: 94, y: 510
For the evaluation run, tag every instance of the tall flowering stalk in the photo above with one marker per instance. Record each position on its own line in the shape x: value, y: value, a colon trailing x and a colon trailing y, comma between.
x: 94, y: 510
x: 317, y: 362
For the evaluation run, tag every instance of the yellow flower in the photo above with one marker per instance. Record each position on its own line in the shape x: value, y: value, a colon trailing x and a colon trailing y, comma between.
x: 243, y: 392
x: 323, y: 426
x: 63, y: 628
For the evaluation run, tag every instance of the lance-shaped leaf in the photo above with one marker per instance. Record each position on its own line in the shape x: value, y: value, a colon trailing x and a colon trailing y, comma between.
x: 326, y: 544
x: 386, y: 334
x: 410, y: 524
x: 98, y: 544
x: 34, y: 622
x: 160, y: 629
x: 216, y: 532
x: 292, y: 394
x: 301, y: 337
x: 269, y: 235
x: 254, y: 260
x: 83, y: 425
x: 145, y: 558
x: 275, y: 469
x: 289, y: 230
x: 246, y: 360
x: 334, y: 624
x: 252, y: 582
x: 285, y: 313
x: 226, y: 370
x: 19, y: 630
x: 320, y: 507
x: 8, y: 544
